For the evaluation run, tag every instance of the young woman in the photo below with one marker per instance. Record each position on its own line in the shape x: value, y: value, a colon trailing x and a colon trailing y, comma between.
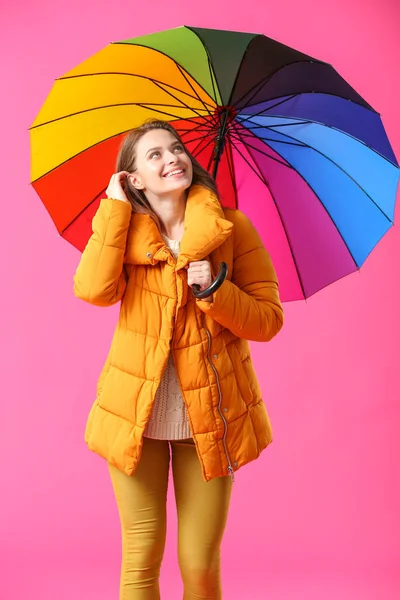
x: 178, y: 384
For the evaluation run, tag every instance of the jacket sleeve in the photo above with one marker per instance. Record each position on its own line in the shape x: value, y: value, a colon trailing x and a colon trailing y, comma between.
x: 249, y: 304
x: 100, y: 277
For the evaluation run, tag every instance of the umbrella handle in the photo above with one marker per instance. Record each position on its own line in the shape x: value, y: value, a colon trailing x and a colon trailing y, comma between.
x: 216, y: 284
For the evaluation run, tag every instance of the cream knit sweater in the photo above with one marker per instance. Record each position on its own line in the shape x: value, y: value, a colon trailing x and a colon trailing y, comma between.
x: 169, y: 420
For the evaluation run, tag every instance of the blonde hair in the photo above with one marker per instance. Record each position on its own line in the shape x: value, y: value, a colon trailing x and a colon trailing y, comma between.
x: 127, y: 158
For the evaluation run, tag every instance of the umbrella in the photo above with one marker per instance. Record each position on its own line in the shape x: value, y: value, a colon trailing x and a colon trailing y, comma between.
x: 289, y: 141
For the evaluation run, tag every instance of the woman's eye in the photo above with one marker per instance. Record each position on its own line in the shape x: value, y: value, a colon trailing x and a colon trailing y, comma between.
x: 179, y: 148
x: 153, y: 154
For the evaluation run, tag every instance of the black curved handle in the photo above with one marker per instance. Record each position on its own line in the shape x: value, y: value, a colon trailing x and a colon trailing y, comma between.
x: 216, y: 284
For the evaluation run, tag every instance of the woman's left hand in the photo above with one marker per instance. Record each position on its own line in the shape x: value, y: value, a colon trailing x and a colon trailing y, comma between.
x: 200, y: 272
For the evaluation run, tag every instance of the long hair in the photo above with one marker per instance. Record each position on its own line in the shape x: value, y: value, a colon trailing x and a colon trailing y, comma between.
x: 126, y: 161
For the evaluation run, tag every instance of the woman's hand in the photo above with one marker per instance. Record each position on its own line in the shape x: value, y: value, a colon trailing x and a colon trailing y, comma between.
x: 115, y: 188
x: 200, y: 272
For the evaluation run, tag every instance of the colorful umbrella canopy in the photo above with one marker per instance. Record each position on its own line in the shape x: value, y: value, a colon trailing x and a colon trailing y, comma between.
x: 290, y: 143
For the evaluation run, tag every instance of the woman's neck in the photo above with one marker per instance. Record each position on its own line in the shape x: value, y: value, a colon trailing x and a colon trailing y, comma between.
x: 171, y: 212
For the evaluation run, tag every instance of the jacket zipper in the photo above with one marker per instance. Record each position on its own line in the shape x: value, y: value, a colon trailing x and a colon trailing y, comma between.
x: 231, y: 472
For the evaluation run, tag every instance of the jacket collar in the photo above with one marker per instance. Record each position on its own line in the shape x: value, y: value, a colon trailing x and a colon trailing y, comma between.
x: 205, y: 229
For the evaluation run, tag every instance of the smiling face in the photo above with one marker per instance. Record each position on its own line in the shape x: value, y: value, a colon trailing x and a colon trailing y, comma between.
x: 163, y: 168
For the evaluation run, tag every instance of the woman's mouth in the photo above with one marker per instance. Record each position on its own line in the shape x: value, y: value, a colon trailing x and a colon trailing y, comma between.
x: 174, y: 173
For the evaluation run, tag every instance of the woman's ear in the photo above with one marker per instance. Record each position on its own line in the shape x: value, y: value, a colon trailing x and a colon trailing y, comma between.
x: 135, y: 181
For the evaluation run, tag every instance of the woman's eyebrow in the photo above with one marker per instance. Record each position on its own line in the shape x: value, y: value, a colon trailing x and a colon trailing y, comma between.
x: 153, y: 149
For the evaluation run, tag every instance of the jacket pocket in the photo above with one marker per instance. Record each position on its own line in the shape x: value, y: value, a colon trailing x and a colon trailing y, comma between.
x: 241, y: 377
x: 252, y: 379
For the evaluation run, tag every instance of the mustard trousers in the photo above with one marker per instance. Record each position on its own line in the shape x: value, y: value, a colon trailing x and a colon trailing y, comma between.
x: 202, y: 510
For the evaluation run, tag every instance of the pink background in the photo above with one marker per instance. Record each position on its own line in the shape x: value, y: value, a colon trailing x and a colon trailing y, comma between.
x: 317, y: 516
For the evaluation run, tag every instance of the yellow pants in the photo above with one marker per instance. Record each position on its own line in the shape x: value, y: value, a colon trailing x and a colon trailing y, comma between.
x: 202, y: 513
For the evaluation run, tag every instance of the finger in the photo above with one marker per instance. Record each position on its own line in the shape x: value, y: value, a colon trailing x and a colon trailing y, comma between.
x: 193, y: 271
x: 198, y: 262
x: 199, y: 275
x: 199, y: 266
x: 199, y: 280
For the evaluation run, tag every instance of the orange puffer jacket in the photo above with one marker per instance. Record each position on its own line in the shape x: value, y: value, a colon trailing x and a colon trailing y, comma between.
x: 126, y: 259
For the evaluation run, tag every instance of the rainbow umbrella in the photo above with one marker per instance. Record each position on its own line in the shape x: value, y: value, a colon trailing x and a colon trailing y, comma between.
x: 290, y: 143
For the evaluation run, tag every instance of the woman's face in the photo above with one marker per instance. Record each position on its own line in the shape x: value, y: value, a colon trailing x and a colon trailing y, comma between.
x: 162, y: 165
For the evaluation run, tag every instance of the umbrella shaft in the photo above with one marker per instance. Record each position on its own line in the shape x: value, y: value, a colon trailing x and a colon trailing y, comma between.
x: 221, y: 138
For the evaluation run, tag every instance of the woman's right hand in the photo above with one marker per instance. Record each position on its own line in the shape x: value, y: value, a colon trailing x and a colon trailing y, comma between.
x: 115, y: 188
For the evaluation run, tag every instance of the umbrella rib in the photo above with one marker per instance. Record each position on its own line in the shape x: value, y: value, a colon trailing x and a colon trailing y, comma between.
x: 210, y: 141
x: 141, y: 104
x: 322, y: 204
x: 198, y: 129
x: 154, y: 81
x: 154, y: 107
x: 257, y: 87
x: 339, y: 167
x: 195, y: 152
x: 178, y: 65
x: 261, y: 112
x: 195, y: 97
x: 281, y: 162
x: 89, y: 148
x: 196, y: 139
x: 232, y: 170
x: 202, y: 136
x: 194, y: 91
x: 266, y: 79
x: 294, y: 143
x: 172, y: 96
x: 64, y: 162
x: 177, y: 117
x: 261, y: 176
x: 166, y: 85
x: 164, y: 112
x: 205, y: 125
x: 313, y: 92
x: 232, y: 92
x: 81, y: 212
x: 297, y: 121
x: 210, y: 65
x: 212, y: 77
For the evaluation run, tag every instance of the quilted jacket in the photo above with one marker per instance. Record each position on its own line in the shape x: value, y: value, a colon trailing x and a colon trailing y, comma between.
x: 127, y: 260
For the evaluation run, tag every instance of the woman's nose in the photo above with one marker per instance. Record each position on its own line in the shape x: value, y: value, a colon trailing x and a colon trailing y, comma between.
x: 171, y: 158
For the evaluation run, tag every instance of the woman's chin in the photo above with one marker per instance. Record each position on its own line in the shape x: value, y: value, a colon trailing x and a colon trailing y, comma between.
x: 178, y: 185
